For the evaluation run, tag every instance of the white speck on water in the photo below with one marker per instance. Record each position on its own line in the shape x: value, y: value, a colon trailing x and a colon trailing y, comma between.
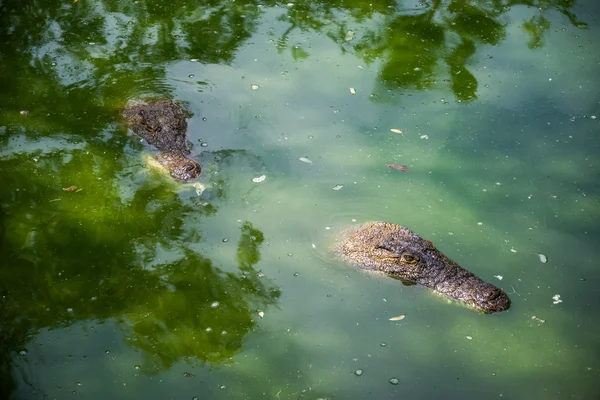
x: 214, y: 304
x: 259, y: 179
x: 327, y: 228
x: 394, y: 381
x: 254, y: 86
x: 358, y: 372
x: 513, y: 250
x: 338, y: 187
x: 69, y: 310
x: 314, y: 246
x: 469, y: 337
x: 305, y: 160
x: 499, y: 277
x: 543, y: 258
x: 556, y: 299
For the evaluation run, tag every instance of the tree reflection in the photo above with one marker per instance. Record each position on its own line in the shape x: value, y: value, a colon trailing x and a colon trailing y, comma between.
x: 103, y: 253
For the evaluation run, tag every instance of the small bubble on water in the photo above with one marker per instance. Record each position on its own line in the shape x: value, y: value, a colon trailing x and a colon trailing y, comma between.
x: 209, y: 329
x: 358, y: 372
x: 223, y: 333
x: 383, y: 344
x: 290, y: 254
x: 204, y: 144
x: 225, y: 240
x: 190, y: 75
x: 78, y: 383
x: 137, y: 367
x: 254, y: 86
x: 394, y: 381
x: 214, y: 304
x: 106, y: 351
x: 222, y: 386
x: 296, y: 274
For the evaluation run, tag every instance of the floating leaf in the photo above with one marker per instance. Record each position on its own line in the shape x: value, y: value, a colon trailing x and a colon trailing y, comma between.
x: 305, y: 160
x: 397, y: 167
x: 259, y: 179
x: 398, y: 318
x: 398, y: 131
x: 70, y: 189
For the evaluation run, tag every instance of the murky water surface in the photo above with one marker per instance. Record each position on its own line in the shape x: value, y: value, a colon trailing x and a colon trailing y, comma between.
x: 118, y: 282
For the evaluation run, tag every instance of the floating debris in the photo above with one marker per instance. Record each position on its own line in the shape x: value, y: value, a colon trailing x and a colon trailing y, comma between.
x: 352, y: 91
x: 513, y: 250
x: 358, y: 372
x: 337, y: 187
x: 24, y: 112
x: 426, y: 137
x: 398, y: 318
x: 259, y: 179
x: 305, y: 160
x: 556, y: 299
x: 394, y: 381
x: 261, y: 314
x: 499, y: 277
x: 541, y: 321
x: 397, y: 167
x: 469, y: 337
x: 188, y: 375
x: 199, y: 188
x: 398, y: 131
x: 70, y: 189
x: 543, y: 258
x: 349, y: 35
x: 254, y: 86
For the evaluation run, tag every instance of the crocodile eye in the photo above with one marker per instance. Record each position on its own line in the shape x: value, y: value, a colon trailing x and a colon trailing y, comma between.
x: 410, y: 259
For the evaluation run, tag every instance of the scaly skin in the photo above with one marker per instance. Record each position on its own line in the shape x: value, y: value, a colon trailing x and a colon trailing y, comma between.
x: 400, y: 253
x: 162, y: 123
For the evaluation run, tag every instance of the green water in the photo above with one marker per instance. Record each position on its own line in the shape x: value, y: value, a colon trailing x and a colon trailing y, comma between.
x: 133, y: 286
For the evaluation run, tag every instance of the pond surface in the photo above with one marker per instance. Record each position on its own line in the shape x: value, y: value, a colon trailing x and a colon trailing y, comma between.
x: 132, y: 285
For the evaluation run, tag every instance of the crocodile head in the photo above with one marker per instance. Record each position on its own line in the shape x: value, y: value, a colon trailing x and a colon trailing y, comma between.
x: 179, y: 166
x: 400, y: 253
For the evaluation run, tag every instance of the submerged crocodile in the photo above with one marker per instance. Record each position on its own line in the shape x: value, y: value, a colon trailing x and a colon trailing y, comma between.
x: 162, y: 123
x: 401, y: 254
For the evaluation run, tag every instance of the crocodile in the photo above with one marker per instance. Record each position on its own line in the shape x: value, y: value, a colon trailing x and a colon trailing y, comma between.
x: 400, y: 253
x: 162, y: 123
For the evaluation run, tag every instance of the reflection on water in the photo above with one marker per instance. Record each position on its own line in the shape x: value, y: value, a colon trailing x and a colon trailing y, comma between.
x: 134, y: 280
